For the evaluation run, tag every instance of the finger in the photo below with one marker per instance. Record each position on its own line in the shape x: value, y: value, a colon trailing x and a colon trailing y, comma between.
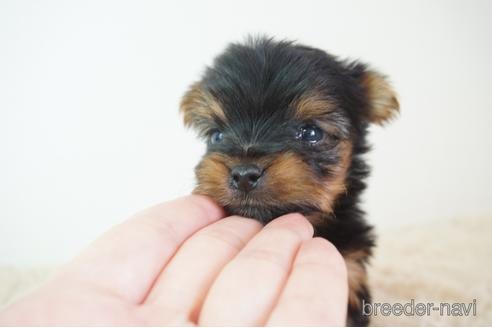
x: 181, y: 287
x: 316, y: 292
x: 127, y: 259
x: 247, y: 288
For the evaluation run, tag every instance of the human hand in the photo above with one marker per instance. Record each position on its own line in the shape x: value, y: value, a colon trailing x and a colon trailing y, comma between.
x: 178, y: 264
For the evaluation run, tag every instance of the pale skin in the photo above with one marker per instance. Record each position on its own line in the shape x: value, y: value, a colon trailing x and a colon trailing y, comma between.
x: 184, y: 263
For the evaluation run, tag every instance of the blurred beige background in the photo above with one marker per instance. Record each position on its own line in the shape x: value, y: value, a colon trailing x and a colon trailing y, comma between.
x: 89, y: 92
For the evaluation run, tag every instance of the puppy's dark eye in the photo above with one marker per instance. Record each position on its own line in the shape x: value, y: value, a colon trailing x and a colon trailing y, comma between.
x: 216, y: 137
x: 310, y: 133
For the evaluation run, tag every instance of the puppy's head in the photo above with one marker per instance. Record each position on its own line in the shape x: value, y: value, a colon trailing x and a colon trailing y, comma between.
x: 282, y: 124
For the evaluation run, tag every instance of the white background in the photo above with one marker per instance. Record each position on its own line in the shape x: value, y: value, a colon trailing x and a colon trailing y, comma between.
x: 89, y: 93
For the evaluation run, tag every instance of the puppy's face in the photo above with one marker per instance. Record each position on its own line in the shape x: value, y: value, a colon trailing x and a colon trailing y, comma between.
x: 282, y: 124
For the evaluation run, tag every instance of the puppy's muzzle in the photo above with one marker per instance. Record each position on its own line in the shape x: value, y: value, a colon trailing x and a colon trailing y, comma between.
x: 245, y: 177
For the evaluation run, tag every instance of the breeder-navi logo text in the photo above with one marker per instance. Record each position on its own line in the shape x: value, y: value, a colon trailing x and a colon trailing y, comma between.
x: 420, y: 309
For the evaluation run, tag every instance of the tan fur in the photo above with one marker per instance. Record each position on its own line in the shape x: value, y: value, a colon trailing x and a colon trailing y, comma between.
x: 336, y: 184
x: 288, y: 179
x: 199, y: 106
x: 312, y: 105
x: 357, y: 275
x: 213, y: 176
x: 382, y: 98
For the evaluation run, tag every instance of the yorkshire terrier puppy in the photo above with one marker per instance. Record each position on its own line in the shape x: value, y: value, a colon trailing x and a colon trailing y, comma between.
x: 285, y: 127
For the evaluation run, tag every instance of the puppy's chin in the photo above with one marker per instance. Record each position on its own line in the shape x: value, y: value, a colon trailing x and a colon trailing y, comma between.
x: 266, y: 214
x: 262, y: 214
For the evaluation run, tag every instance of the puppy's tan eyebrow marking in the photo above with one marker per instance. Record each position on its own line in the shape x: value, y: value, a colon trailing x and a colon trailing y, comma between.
x: 312, y: 105
x: 198, y: 105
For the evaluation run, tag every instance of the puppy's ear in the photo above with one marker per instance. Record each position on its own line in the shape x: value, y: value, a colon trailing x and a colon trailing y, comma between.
x: 382, y: 100
x: 199, y: 108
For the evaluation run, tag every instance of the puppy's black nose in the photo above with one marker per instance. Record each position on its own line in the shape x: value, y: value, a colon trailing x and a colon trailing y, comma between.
x: 245, y: 177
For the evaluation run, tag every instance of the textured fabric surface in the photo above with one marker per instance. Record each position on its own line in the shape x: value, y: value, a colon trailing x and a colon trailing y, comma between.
x: 433, y: 262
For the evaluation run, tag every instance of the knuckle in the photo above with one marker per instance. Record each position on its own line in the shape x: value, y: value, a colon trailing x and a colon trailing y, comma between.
x: 295, y: 223
x: 335, y: 258
x: 204, y: 204
x: 166, y: 231
x: 283, y: 234
x: 266, y: 257
x: 326, y: 246
x: 323, y: 253
x: 223, y: 235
